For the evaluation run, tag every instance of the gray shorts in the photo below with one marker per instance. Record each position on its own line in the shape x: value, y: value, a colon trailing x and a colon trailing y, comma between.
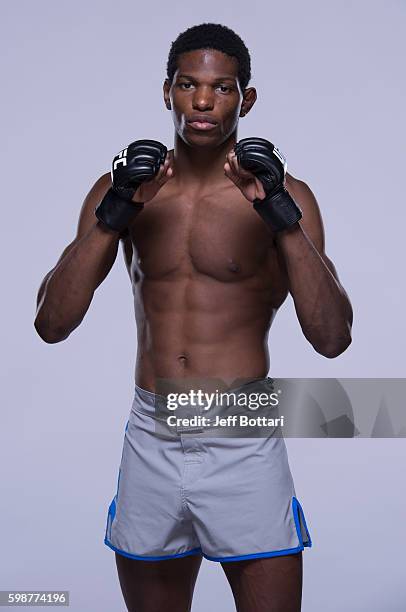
x: 226, y: 498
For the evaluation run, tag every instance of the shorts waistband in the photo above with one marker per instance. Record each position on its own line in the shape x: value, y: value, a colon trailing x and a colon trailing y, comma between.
x: 151, y: 400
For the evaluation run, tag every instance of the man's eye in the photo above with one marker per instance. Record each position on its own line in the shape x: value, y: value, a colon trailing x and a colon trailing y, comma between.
x: 187, y: 85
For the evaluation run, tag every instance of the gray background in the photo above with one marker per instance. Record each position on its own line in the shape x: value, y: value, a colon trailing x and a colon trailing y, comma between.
x: 80, y: 81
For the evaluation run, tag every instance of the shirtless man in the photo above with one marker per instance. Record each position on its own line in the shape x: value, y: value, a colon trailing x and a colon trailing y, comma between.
x: 209, y: 272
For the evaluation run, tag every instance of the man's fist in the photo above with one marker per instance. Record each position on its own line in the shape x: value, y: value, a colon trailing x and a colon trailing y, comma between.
x: 137, y: 174
x: 136, y: 164
x: 266, y: 163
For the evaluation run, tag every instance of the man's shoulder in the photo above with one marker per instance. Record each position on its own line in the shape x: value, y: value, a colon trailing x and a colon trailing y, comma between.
x: 104, y: 180
x: 301, y: 192
x: 311, y: 220
x: 293, y: 182
x: 95, y: 194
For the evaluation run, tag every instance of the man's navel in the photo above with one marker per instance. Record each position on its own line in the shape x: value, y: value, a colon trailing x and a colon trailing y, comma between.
x: 183, y: 359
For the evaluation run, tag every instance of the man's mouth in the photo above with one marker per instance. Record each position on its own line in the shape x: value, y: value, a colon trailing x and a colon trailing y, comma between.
x: 202, y: 125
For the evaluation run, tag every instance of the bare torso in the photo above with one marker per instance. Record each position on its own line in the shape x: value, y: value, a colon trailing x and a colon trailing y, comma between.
x: 207, y: 282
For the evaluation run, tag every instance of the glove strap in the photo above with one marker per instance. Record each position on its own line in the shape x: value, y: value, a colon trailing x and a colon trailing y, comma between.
x: 116, y: 212
x: 278, y: 209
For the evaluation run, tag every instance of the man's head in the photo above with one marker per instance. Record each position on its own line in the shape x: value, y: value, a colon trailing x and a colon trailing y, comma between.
x: 208, y: 71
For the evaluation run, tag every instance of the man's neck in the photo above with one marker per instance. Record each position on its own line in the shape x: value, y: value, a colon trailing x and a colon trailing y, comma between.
x: 195, y: 166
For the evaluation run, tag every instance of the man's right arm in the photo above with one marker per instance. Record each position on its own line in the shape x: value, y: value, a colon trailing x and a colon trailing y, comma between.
x: 67, y: 290
x: 138, y: 173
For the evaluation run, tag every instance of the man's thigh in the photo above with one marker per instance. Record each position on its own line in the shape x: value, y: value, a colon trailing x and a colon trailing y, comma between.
x: 272, y: 584
x: 154, y: 586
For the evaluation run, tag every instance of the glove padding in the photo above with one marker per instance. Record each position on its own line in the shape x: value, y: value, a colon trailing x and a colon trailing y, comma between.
x: 136, y: 164
x: 263, y: 159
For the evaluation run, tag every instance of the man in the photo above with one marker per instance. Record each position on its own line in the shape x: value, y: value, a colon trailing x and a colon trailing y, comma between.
x: 214, y: 237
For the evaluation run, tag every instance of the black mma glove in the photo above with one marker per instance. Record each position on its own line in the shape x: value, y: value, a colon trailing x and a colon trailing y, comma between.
x: 138, y: 163
x: 263, y: 159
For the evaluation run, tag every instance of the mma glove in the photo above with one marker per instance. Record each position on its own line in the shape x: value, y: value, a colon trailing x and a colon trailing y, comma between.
x: 136, y: 164
x: 259, y: 156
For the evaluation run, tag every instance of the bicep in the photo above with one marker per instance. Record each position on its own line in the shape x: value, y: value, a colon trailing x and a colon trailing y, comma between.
x: 87, y: 218
x: 86, y: 221
x: 311, y: 221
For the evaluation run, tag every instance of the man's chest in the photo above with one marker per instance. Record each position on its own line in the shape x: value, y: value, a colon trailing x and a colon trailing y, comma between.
x: 219, y: 235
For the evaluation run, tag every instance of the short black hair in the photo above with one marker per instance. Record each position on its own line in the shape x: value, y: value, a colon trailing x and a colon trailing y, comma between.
x: 211, y: 36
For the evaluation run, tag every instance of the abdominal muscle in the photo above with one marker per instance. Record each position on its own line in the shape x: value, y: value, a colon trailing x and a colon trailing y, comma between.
x: 198, y: 329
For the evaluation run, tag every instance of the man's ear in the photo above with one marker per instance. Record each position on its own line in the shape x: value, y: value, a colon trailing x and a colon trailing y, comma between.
x: 166, y: 88
x: 250, y: 96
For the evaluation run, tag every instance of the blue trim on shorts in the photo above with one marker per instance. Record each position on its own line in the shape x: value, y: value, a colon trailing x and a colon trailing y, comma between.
x: 296, y: 508
x: 276, y: 553
x: 194, y: 551
x: 112, y: 508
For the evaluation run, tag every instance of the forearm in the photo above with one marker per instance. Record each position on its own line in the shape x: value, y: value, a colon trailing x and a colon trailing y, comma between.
x: 67, y: 291
x: 321, y: 304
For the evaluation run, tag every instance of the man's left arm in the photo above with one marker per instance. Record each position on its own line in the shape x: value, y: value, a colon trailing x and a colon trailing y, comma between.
x: 322, y: 305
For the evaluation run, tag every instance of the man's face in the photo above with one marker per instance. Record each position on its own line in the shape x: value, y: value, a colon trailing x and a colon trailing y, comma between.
x: 205, y: 83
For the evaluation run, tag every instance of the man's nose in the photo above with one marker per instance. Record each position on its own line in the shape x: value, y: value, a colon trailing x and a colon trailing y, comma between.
x: 203, y: 98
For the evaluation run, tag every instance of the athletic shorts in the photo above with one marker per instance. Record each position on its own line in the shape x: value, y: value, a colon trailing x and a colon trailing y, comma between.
x: 226, y: 498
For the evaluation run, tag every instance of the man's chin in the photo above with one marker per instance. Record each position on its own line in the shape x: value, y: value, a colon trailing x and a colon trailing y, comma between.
x: 202, y: 142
